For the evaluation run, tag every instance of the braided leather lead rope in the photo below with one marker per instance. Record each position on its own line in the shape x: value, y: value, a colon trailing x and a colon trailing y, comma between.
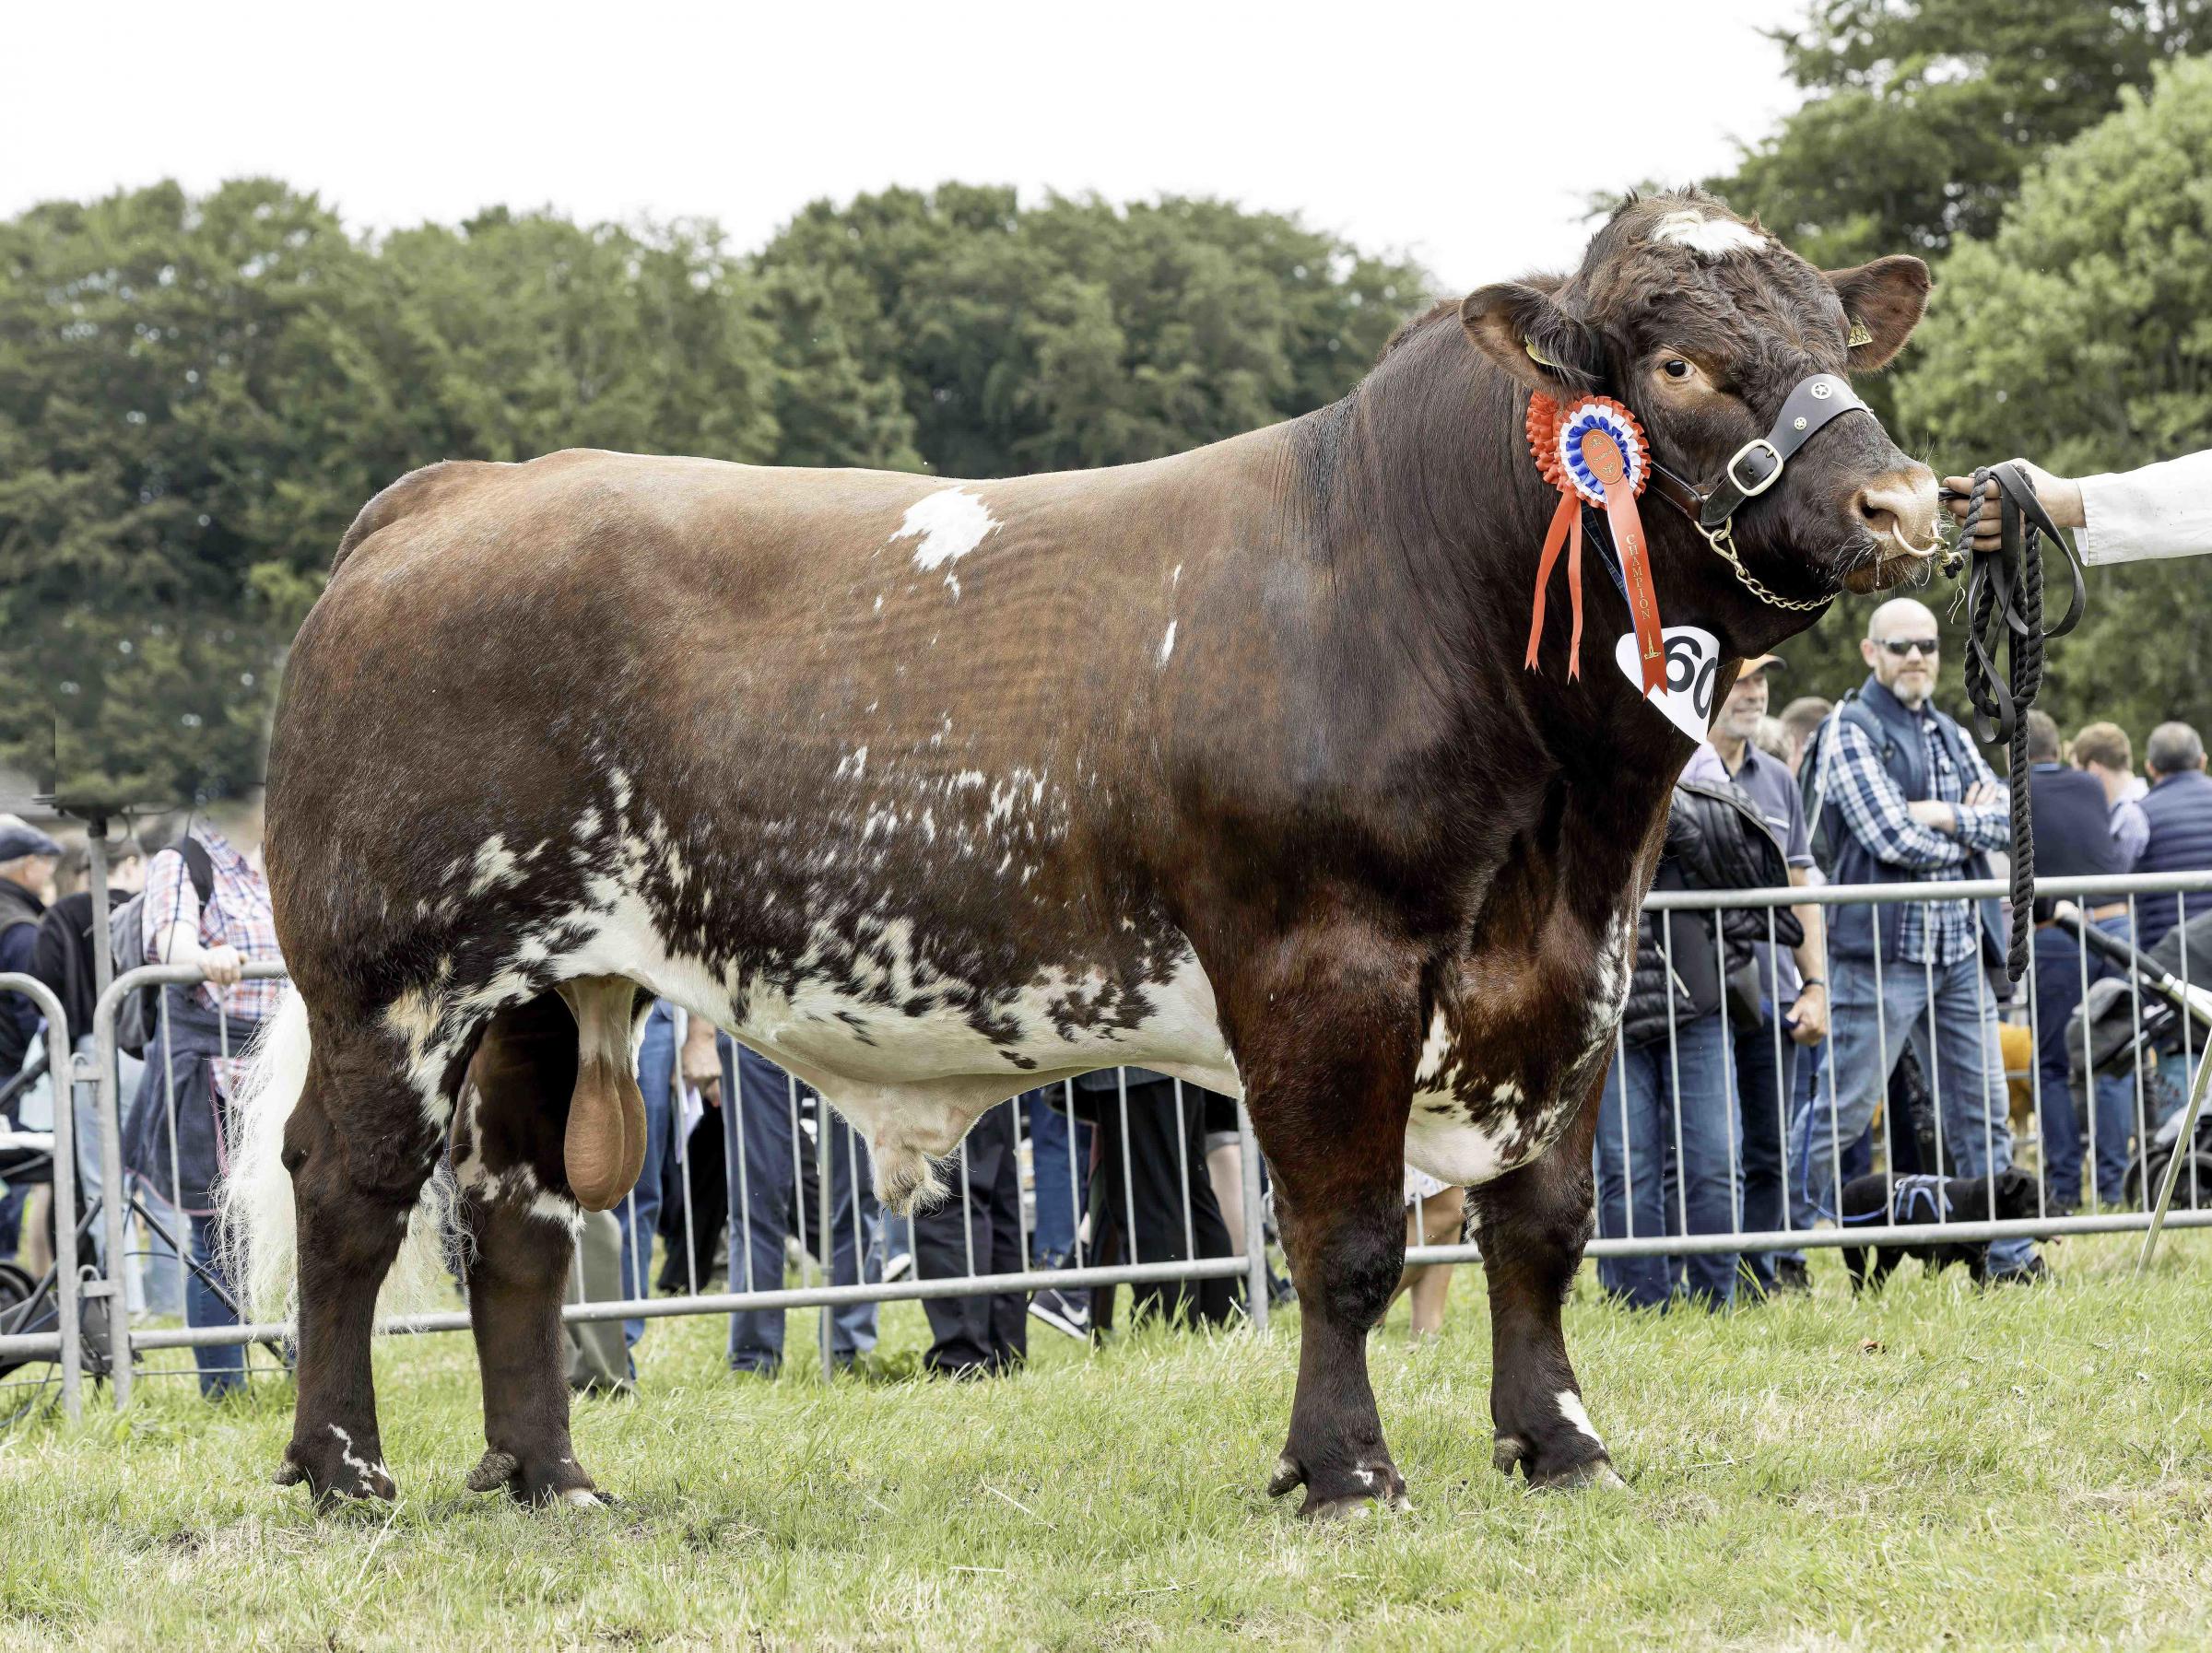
x: 2005, y: 605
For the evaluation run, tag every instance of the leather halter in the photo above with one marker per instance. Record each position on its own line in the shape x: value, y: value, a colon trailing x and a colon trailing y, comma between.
x: 1816, y: 401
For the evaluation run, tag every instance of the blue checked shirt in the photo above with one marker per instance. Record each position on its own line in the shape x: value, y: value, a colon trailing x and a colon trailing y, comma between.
x: 1939, y: 933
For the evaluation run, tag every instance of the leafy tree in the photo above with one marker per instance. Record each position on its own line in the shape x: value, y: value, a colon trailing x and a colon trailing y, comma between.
x: 2080, y: 335
x: 1077, y: 333
x: 1923, y: 114
x: 165, y: 367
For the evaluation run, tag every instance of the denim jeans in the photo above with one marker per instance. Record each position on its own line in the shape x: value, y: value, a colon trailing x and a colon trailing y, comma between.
x: 764, y: 1191
x: 1060, y: 1164
x: 1766, y: 1073
x: 222, y: 1367
x: 2059, y: 977
x: 1950, y: 1017
x: 1642, y: 1119
x: 639, y: 1212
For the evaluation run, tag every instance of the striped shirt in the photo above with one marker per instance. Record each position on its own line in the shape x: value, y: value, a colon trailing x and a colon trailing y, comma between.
x: 1878, y: 814
x: 237, y: 914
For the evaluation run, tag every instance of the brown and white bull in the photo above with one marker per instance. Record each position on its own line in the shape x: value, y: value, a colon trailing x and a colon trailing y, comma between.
x: 1224, y: 764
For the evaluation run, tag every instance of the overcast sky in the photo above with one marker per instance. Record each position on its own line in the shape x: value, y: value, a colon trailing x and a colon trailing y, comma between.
x: 1450, y: 132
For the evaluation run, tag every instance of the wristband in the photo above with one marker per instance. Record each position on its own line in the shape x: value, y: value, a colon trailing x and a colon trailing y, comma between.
x: 1805, y: 981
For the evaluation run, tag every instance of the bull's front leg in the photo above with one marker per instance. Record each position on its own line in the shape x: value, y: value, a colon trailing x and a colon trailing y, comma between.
x: 1329, y: 1081
x: 1532, y: 1224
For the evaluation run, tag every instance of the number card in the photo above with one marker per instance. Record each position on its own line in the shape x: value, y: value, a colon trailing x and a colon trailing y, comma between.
x: 1693, y: 661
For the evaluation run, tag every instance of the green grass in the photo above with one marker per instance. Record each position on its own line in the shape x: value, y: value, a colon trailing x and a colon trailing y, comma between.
x: 2020, y: 1468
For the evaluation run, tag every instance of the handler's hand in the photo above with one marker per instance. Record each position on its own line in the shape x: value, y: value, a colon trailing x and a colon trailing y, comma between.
x: 702, y: 1063
x: 2060, y: 497
x: 224, y: 965
x: 1808, y: 1016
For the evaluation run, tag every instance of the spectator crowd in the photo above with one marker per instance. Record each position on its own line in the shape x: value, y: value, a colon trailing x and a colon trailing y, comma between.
x: 1767, y: 1056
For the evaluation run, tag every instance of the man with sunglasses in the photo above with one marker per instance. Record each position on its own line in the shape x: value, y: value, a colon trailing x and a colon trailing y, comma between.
x: 1907, y: 798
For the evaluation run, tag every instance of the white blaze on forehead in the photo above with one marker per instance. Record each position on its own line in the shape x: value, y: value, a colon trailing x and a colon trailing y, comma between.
x: 950, y: 524
x: 1708, y: 237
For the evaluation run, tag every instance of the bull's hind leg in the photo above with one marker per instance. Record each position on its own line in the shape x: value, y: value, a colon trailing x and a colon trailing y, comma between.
x: 358, y: 1146
x: 1330, y: 1077
x: 1531, y: 1225
x: 519, y: 1216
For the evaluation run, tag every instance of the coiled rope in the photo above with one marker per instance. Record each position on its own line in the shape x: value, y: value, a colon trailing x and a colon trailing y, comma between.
x: 2005, y: 616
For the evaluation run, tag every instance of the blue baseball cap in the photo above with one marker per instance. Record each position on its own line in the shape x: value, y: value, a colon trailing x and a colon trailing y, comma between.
x: 19, y: 837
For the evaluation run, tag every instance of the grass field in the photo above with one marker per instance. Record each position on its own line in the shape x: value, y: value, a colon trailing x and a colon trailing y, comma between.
x: 2022, y: 1467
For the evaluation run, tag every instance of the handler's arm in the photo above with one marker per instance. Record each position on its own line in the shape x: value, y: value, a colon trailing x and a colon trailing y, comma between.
x: 2132, y: 516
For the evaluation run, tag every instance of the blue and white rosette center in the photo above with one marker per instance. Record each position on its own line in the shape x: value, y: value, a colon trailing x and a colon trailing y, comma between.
x: 1577, y: 423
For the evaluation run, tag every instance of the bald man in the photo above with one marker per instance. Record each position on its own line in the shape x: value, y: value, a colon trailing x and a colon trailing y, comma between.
x: 1909, y: 800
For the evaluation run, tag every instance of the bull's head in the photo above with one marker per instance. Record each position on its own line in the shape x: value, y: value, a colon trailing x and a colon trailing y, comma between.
x: 1703, y: 324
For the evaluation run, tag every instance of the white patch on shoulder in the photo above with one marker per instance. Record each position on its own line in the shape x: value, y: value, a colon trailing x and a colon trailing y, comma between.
x: 949, y: 524
x: 1570, y: 1408
x: 1708, y: 237
x: 496, y: 866
x: 1167, y: 643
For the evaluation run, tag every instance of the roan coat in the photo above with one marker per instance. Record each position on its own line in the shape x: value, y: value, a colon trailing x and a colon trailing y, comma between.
x: 1224, y: 764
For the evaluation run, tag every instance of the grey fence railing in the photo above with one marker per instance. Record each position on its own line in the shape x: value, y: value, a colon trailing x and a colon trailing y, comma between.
x: 1674, y: 1234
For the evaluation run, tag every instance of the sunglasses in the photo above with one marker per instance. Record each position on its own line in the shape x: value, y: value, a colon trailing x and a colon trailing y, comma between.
x: 1902, y: 646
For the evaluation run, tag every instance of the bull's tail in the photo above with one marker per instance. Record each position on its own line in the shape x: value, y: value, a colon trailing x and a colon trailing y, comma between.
x: 258, y: 1225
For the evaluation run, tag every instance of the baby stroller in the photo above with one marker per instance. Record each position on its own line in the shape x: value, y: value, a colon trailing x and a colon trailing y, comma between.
x: 2123, y: 1041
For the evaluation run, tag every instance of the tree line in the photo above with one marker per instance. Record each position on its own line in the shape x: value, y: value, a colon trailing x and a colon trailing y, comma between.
x: 198, y: 392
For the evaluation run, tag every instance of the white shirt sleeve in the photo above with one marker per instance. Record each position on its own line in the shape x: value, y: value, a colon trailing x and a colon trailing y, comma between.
x: 2160, y: 510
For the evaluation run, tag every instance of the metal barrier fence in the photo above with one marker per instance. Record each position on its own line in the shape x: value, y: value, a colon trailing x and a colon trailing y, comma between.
x: 1676, y: 1235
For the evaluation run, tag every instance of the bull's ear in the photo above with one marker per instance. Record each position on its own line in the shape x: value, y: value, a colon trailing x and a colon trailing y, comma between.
x: 1523, y: 329
x: 1882, y: 302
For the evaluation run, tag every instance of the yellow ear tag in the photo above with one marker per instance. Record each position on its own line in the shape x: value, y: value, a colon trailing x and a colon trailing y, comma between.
x: 1859, y: 334
x: 1538, y: 357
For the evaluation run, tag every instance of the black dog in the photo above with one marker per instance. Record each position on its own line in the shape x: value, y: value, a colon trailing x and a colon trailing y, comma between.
x: 1867, y: 1203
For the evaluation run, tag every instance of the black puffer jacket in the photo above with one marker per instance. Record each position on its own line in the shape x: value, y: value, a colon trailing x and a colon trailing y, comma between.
x: 1716, y: 839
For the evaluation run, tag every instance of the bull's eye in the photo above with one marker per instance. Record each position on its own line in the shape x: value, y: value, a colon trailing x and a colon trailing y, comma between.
x: 1675, y: 367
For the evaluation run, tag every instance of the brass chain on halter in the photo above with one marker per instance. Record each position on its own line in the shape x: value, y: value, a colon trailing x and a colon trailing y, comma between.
x: 1722, y: 541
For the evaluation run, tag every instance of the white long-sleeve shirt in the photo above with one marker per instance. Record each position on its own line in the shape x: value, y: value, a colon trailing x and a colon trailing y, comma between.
x: 2160, y: 510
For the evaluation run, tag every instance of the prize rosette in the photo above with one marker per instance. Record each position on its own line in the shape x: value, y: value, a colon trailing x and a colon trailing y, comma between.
x: 1594, y: 453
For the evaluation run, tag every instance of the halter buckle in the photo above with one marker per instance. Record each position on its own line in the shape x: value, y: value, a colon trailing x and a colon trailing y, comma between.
x: 1752, y: 489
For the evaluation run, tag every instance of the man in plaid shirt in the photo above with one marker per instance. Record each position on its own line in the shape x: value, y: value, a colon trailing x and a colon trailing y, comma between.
x: 1907, y: 798
x: 177, y: 1133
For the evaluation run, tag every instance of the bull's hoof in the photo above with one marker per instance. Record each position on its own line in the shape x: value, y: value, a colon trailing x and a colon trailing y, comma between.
x: 1557, y: 1467
x: 537, y: 1482
x: 1346, y: 1491
x: 337, y: 1469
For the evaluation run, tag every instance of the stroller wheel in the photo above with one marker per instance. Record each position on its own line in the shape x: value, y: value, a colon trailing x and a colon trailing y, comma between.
x: 2193, y: 1190
x: 16, y: 1287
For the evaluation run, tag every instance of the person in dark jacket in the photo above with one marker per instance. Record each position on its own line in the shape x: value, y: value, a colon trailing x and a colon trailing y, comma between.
x: 2178, y: 808
x: 2073, y: 838
x: 64, y: 957
x: 1666, y: 1153
x: 28, y: 859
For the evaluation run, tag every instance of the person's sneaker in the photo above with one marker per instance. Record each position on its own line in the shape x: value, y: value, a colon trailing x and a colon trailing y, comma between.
x: 2031, y: 1272
x: 1790, y: 1276
x: 1063, y: 1311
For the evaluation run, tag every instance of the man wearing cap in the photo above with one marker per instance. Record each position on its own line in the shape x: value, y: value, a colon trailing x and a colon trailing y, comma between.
x: 27, y: 859
x: 1763, y: 1062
